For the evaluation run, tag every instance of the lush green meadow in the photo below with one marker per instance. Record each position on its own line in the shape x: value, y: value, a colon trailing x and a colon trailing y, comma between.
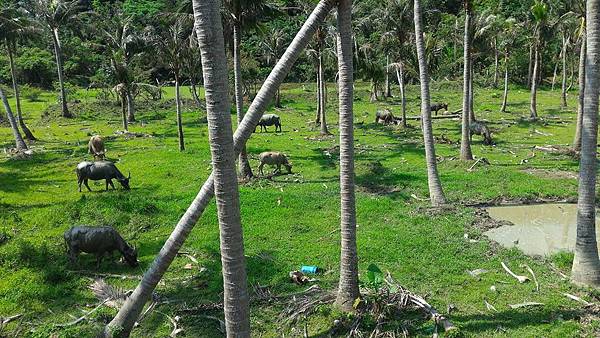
x: 290, y: 220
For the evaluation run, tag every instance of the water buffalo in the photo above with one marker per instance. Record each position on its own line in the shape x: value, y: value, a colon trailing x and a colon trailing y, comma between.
x: 99, y: 241
x: 96, y: 147
x: 437, y: 106
x: 386, y: 117
x: 269, y: 120
x: 101, y: 170
x: 276, y: 159
x: 479, y: 128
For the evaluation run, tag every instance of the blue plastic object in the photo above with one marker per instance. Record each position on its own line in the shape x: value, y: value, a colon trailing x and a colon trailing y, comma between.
x: 309, y: 269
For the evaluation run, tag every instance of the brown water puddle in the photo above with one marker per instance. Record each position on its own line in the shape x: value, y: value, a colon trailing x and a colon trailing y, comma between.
x: 539, y: 229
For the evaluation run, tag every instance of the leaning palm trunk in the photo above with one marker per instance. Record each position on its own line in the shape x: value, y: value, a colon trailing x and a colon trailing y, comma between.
x: 554, y: 74
x: 435, y: 186
x: 505, y: 95
x: 534, y: 85
x: 214, y: 68
x: 400, y: 76
x: 178, y: 110
x: 465, y: 144
x: 20, y: 144
x: 563, y: 93
x: 577, y: 140
x: 348, y: 284
x: 128, y: 314
x: 586, y: 265
x: 59, y: 67
x: 13, y: 73
x: 245, y: 170
x: 324, y: 130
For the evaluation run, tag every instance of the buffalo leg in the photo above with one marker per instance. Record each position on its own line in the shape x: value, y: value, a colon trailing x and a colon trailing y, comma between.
x: 111, y: 184
x: 86, y: 184
x: 260, y: 169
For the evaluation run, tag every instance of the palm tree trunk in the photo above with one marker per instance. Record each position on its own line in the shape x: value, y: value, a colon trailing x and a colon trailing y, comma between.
x: 348, y: 285
x: 19, y: 142
x: 530, y: 67
x: 505, y: 96
x: 214, y: 65
x: 124, y: 111
x: 534, y: 84
x: 563, y: 94
x: 577, y: 140
x: 388, y: 89
x: 245, y: 170
x: 471, y: 93
x: 178, y: 109
x: 586, y: 265
x: 324, y: 130
x: 195, y: 93
x: 28, y: 134
x: 130, y: 105
x: 400, y: 76
x: 435, y: 186
x: 465, y: 141
x: 555, y: 73
x: 123, y: 322
x: 61, y: 80
x: 319, y: 107
x: 496, y: 61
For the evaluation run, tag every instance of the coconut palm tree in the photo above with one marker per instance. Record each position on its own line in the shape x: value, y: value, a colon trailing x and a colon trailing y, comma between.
x: 124, y: 43
x: 586, y: 265
x: 507, y: 39
x: 123, y: 322
x: 348, y: 285
x: 273, y: 44
x: 540, y: 15
x: 581, y: 96
x: 54, y: 14
x: 465, y: 143
x: 216, y: 83
x: 15, y: 26
x: 173, y: 44
x: 20, y: 144
x: 435, y: 186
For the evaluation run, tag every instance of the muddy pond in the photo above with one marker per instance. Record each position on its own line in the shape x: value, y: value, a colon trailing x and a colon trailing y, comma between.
x: 539, y: 229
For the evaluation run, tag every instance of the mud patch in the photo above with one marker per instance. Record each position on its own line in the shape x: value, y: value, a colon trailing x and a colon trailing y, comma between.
x: 484, y: 222
x: 539, y: 229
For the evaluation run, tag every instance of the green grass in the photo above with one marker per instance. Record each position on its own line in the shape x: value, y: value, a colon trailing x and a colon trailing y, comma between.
x: 291, y: 220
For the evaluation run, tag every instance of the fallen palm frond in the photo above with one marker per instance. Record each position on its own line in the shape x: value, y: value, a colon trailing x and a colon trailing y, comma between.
x: 112, y: 296
x: 521, y: 279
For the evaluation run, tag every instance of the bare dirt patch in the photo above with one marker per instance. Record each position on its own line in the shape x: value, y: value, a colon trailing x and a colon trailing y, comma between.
x: 562, y: 174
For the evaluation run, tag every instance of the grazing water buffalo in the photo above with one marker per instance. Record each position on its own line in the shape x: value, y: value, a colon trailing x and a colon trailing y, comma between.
x: 479, y: 128
x: 96, y: 147
x: 269, y: 120
x: 101, y: 170
x: 386, y: 117
x: 99, y: 241
x: 274, y: 158
x: 437, y: 106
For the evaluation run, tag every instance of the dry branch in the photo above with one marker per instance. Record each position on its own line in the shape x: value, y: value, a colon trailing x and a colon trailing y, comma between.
x: 521, y: 279
x: 537, y: 285
x: 578, y: 299
x: 85, y: 315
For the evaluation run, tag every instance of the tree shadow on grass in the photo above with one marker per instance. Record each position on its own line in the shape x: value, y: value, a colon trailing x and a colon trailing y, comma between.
x: 512, y: 319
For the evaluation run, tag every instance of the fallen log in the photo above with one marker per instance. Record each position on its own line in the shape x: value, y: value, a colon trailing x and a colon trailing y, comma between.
x: 439, y: 117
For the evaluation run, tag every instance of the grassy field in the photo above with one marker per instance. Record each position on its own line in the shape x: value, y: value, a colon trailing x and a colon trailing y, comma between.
x: 290, y: 220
